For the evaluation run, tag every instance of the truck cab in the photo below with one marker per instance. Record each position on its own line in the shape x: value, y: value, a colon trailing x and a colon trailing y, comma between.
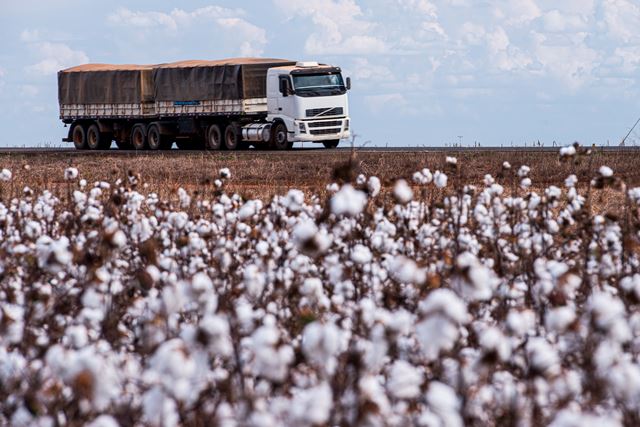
x: 308, y: 102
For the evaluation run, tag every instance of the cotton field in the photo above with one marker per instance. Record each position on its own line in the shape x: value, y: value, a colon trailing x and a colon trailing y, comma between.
x: 428, y: 302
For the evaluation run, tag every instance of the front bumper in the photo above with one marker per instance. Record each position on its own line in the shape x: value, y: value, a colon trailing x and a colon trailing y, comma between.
x: 319, y: 130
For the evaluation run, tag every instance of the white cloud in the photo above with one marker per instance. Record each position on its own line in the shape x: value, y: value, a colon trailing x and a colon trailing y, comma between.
x: 339, y: 27
x: 55, y: 57
x: 622, y: 18
x: 29, y: 91
x: 250, y: 37
x: 425, y: 7
x: 557, y: 21
x: 385, y: 102
x: 572, y: 63
x: 516, y: 12
x: 253, y: 38
x: 29, y: 36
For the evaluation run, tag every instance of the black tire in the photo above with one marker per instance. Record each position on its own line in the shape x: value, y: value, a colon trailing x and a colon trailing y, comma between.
x: 280, y: 137
x: 79, y: 136
x: 138, y: 137
x: 95, y: 139
x: 331, y: 144
x: 213, y: 140
x: 154, y: 139
x: 232, y: 137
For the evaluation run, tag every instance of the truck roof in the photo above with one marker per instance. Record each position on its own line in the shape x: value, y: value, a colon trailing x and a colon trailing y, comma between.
x: 179, y: 64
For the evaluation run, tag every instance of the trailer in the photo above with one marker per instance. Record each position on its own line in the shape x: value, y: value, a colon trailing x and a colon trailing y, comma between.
x: 225, y: 104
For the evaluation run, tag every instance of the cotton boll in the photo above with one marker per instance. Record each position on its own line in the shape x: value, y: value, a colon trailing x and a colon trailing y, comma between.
x: 444, y: 403
x: 475, y: 281
x: 104, y: 421
x: 321, y: 344
x: 440, y: 179
x: 159, y: 409
x: 225, y: 173
x: 606, y: 171
x: 70, y: 174
x: 312, y: 406
x: 402, y: 192
x: 543, y: 358
x: 294, y: 201
x: 405, y: 270
x: 493, y: 341
x: 559, y: 319
x: 361, y: 254
x: 404, y: 380
x: 348, y: 201
x: 373, y: 186
x: 269, y: 360
x: 5, y: 175
x: 254, y: 280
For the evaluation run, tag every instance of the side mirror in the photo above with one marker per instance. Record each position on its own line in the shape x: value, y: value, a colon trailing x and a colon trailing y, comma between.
x: 348, y: 83
x: 285, y: 87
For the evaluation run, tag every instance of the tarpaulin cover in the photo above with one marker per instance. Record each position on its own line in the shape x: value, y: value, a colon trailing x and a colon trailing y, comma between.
x: 236, y: 78
x: 214, y: 80
x: 105, y: 84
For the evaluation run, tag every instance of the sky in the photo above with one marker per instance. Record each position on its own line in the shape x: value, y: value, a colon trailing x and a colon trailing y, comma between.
x: 425, y: 72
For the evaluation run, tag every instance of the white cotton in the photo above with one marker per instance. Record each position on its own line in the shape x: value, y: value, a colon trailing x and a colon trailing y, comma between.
x: 373, y: 186
x: 440, y: 179
x: 402, y: 192
x: 568, y: 151
x: 321, y: 343
x: 5, y: 175
x: 405, y: 270
x: 606, y: 171
x: 254, y: 280
x: 348, y: 201
x: 543, y: 358
x: 492, y: 340
x: 559, y: 319
x: 103, y: 421
x: 294, y: 200
x: 225, y: 173
x: 159, y: 409
x: 444, y: 403
x: 451, y: 160
x: 404, y: 380
x: 312, y: 406
x: 70, y: 174
x: 361, y: 254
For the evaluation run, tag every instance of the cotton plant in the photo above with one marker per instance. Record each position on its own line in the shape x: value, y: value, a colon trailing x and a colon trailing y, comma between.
x: 372, y: 305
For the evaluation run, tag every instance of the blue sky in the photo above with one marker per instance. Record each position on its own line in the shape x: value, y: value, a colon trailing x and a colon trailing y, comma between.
x: 424, y: 71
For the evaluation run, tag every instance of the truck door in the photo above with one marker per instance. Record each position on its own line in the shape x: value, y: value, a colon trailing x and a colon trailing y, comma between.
x: 273, y: 94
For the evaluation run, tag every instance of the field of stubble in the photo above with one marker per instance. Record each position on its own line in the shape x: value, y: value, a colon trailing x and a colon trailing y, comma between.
x: 320, y: 289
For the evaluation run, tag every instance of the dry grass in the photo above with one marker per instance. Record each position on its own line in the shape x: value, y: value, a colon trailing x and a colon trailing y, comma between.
x: 264, y: 174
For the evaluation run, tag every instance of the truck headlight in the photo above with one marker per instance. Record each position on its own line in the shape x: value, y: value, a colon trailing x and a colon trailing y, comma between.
x: 346, y: 125
x: 302, y: 128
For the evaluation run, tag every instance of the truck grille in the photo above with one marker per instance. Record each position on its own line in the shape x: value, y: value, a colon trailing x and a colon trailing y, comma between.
x: 329, y: 131
x: 323, y: 112
x: 330, y: 123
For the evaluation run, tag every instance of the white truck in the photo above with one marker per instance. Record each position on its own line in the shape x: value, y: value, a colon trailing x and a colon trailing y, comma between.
x: 227, y: 104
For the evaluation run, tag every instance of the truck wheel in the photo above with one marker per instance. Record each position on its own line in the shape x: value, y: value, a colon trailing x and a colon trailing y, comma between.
x: 214, y: 138
x: 154, y: 139
x: 95, y: 139
x: 331, y: 144
x: 138, y: 137
x: 231, y: 137
x: 280, y: 138
x: 79, y: 137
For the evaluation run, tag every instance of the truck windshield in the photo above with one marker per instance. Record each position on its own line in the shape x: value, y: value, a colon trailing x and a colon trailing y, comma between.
x: 318, y: 84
